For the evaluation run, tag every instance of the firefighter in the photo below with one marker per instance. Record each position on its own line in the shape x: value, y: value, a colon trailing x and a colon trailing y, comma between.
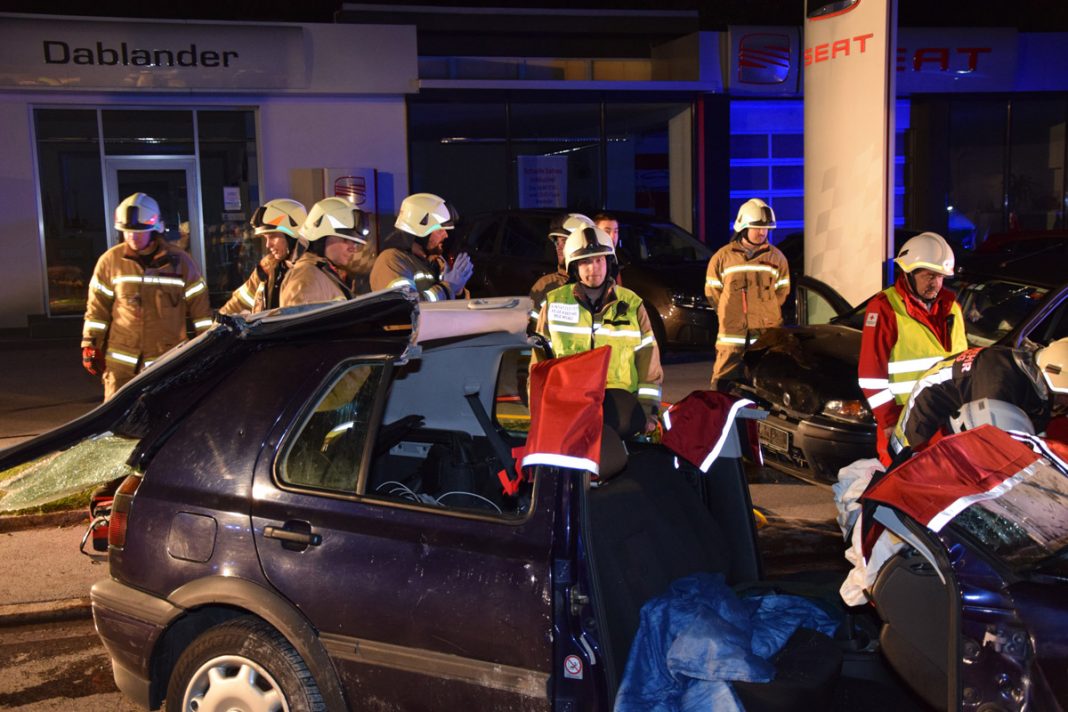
x: 560, y: 227
x: 1033, y: 380
x: 591, y: 311
x: 335, y: 232
x: 908, y: 328
x: 280, y: 222
x: 140, y: 295
x: 747, y: 281
x: 412, y: 259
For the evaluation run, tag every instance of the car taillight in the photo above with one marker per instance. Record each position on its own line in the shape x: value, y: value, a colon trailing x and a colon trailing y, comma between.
x: 120, y: 511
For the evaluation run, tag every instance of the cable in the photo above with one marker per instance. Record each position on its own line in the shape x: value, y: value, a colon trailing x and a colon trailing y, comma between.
x: 471, y: 494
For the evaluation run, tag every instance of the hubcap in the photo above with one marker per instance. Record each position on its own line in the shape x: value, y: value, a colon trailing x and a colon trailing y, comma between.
x: 231, y: 683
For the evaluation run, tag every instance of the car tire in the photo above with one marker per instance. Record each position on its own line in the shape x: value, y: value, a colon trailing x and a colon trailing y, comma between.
x: 243, y: 661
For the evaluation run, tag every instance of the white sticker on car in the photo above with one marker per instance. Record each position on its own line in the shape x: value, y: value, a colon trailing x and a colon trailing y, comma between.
x: 573, y: 667
x: 872, y: 318
x: 564, y: 313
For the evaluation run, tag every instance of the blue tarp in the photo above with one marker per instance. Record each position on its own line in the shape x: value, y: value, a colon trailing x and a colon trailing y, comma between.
x: 695, y: 639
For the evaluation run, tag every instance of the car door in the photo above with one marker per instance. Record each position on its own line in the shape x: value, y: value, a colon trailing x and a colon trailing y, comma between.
x: 420, y: 604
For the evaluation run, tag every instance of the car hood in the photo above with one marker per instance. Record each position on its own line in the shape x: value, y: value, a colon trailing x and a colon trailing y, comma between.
x: 154, y: 400
x: 687, y: 277
x: 802, y: 367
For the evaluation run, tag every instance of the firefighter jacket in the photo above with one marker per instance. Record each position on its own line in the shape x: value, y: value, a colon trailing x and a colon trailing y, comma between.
x: 621, y: 323
x: 313, y: 279
x: 544, y: 285
x: 999, y: 372
x: 261, y: 290
x: 746, y: 290
x: 404, y: 266
x: 901, y: 339
x: 138, y: 304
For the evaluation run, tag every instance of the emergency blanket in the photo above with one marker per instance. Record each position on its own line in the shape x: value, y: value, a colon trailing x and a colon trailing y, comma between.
x: 697, y: 638
x: 566, y: 411
x: 697, y: 427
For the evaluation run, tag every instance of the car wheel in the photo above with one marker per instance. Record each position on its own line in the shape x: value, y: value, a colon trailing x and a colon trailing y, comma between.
x: 243, y: 664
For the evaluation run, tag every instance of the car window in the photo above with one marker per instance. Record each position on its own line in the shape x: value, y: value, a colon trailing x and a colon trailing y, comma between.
x: 481, y: 237
x: 813, y: 307
x: 1055, y: 325
x: 528, y: 239
x: 511, y: 411
x: 992, y: 308
x: 328, y: 450
x: 660, y: 242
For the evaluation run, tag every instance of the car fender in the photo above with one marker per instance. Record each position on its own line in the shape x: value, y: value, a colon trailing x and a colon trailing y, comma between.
x: 280, y: 613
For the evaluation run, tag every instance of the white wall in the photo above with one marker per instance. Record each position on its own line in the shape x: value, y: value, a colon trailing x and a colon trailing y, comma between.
x: 21, y: 259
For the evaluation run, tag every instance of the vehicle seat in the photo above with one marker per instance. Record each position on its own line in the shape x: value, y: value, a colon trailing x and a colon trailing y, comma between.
x: 649, y: 528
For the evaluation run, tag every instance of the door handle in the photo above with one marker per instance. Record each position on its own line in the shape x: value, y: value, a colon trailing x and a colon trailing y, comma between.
x: 295, y: 536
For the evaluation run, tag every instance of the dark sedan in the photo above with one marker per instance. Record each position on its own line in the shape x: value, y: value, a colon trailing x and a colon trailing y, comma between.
x: 807, y: 375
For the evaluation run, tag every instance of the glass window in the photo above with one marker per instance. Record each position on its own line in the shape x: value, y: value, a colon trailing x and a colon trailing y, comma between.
x: 749, y: 146
x: 556, y: 155
x: 133, y: 132
x: 993, y: 308
x: 72, y: 203
x: 329, y: 451
x: 1036, y: 175
x: 649, y: 150
x: 525, y: 238
x: 976, y: 168
x: 511, y: 410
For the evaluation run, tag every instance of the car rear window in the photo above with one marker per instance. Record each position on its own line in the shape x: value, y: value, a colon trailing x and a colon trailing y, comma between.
x: 992, y: 308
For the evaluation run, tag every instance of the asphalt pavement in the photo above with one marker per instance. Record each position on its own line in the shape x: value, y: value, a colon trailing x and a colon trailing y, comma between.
x: 42, y: 386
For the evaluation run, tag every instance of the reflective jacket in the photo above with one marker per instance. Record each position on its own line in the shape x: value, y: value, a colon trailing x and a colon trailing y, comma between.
x: 399, y: 267
x: 313, y: 279
x: 747, y: 291
x: 621, y: 323
x: 260, y: 290
x: 138, y: 304
x: 900, y: 340
x: 544, y: 285
x: 999, y: 372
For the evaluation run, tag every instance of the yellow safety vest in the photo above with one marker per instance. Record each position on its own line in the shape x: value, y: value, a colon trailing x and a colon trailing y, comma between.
x: 917, y: 348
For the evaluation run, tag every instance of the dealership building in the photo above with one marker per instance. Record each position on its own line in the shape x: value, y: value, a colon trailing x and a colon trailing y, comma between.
x: 626, y: 110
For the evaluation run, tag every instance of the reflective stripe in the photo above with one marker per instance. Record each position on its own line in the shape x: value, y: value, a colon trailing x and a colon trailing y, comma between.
x: 646, y: 341
x: 873, y: 383
x: 148, y: 363
x: 649, y: 391
x: 730, y: 340
x: 784, y: 282
x: 96, y: 325
x: 900, y: 387
x: 724, y: 433
x: 557, y: 460
x: 751, y: 268
x: 623, y: 333
x: 196, y: 289
x: 149, y: 279
x: 713, y: 282
x: 569, y: 329
x: 430, y: 296
x: 201, y: 324
x: 666, y: 417
x: 916, y: 364
x: 422, y: 275
x: 402, y: 282
x: 880, y: 398
x: 534, y: 314
x: 244, y: 296
x: 99, y: 286
x: 125, y: 358
x: 943, y: 518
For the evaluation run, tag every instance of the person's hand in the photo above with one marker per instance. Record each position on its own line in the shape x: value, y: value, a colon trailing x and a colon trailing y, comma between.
x: 457, y: 275
x: 93, y: 360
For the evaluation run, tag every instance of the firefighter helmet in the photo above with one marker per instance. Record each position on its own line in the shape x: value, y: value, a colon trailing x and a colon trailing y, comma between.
x: 585, y: 242
x: 138, y: 213
x: 336, y: 217
x: 928, y: 250
x: 1052, y: 360
x: 423, y: 213
x: 754, y: 213
x: 990, y: 411
x: 563, y: 224
x: 280, y: 215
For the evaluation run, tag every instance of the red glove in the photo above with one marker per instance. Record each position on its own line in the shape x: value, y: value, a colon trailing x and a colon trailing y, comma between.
x: 93, y: 360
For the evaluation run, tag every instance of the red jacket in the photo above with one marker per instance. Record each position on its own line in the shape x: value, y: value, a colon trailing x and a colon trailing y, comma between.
x: 879, y: 336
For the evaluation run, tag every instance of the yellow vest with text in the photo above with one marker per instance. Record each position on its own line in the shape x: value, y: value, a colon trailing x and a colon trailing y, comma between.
x: 917, y: 348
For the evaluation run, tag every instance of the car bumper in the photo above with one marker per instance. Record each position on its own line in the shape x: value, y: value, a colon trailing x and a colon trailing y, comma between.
x: 814, y: 449
x: 129, y: 623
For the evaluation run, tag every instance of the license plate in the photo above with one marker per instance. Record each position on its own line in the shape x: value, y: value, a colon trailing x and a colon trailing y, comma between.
x: 774, y: 438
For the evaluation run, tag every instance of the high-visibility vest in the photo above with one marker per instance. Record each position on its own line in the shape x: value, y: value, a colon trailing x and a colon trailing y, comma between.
x: 917, y: 348
x: 573, y: 329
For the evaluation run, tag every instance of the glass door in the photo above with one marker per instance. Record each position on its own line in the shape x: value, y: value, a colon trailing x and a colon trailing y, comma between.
x: 172, y: 181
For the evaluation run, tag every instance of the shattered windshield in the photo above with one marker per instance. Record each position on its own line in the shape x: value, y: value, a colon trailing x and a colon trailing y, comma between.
x: 1027, y: 525
x: 87, y: 464
x: 993, y: 308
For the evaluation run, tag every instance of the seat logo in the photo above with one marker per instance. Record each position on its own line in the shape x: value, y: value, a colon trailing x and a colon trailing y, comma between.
x: 763, y: 58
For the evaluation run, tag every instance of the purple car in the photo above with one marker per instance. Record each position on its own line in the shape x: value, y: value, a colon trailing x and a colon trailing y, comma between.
x: 312, y: 519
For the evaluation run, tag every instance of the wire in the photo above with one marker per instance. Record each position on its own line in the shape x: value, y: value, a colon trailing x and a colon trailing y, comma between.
x: 471, y: 494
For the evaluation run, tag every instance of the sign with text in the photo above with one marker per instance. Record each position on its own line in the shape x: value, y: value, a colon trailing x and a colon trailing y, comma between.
x: 849, y: 73
x: 542, y: 181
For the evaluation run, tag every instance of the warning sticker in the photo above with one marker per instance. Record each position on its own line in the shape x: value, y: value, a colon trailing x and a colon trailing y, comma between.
x: 573, y: 667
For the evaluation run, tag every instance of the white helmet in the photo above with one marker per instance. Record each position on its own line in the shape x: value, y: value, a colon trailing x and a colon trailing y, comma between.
x: 423, y: 213
x: 138, y: 213
x: 562, y: 225
x: 336, y: 217
x: 990, y: 411
x: 928, y: 250
x: 281, y: 215
x: 587, y: 241
x: 754, y: 213
x: 1052, y: 360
